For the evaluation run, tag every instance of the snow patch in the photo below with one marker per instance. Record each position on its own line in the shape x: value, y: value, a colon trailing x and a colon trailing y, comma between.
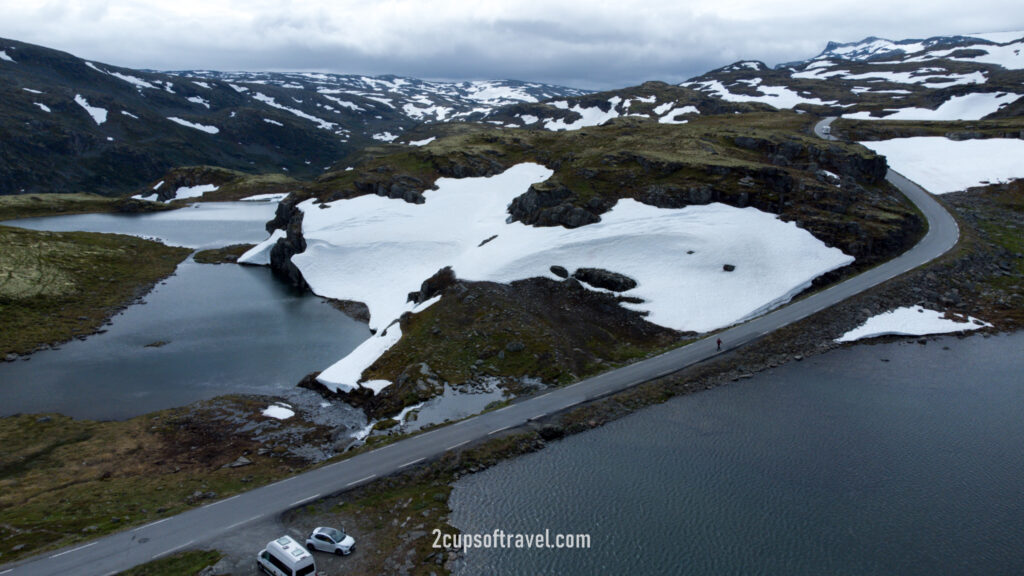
x: 780, y: 97
x: 269, y: 101
x: 385, y: 137
x: 193, y: 125
x: 192, y: 191
x: 343, y: 103
x: 135, y: 80
x: 279, y: 410
x: 42, y: 106
x: 274, y: 122
x: 99, y: 115
x: 588, y: 116
x: 377, y: 250
x: 259, y: 255
x: 32, y: 91
x: 6, y: 58
x: 423, y: 142
x: 940, y: 165
x: 670, y: 117
x: 199, y: 100
x: 129, y: 114
x: 272, y: 197
x: 910, y: 321
x: 967, y: 107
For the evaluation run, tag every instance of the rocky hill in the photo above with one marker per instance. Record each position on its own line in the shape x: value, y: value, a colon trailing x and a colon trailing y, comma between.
x: 70, y: 125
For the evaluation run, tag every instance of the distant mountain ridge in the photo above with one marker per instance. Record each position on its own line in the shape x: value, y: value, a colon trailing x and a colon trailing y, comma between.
x: 962, y: 77
x: 71, y: 125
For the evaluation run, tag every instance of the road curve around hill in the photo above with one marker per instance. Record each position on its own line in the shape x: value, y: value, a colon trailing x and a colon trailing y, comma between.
x: 201, y: 526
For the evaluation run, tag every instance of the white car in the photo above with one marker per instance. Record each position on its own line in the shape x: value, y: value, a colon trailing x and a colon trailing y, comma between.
x: 332, y: 540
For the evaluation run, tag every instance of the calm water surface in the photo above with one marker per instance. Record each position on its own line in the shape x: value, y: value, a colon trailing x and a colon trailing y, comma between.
x: 201, y: 225
x: 841, y: 464
x: 225, y: 329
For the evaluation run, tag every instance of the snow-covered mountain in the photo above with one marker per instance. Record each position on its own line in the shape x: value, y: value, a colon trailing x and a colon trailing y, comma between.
x: 942, y: 78
x: 73, y: 125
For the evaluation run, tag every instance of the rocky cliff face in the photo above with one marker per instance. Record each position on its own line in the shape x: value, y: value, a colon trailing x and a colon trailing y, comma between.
x: 288, y: 218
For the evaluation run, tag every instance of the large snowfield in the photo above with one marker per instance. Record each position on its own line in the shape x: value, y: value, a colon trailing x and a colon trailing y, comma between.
x: 941, y: 165
x: 909, y: 321
x: 967, y: 107
x: 377, y: 250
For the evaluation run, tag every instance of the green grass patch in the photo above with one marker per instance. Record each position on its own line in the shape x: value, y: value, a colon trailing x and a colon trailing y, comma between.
x: 226, y: 255
x: 37, y: 205
x: 63, y: 481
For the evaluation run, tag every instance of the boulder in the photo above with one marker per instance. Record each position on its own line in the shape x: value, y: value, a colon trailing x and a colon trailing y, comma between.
x: 608, y: 280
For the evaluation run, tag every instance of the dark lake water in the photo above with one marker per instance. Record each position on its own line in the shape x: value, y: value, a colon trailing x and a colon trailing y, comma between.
x: 227, y: 328
x: 841, y: 464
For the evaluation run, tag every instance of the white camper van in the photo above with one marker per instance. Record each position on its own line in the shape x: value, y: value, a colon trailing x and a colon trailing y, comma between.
x: 285, y: 557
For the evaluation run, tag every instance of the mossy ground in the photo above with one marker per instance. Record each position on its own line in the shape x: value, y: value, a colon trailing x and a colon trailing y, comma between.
x: 55, y: 286
x: 35, y: 205
x: 540, y: 329
x: 188, y: 563
x: 992, y: 218
x: 64, y: 480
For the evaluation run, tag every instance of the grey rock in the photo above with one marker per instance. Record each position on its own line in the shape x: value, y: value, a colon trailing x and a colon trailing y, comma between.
x: 239, y: 462
x: 606, y: 279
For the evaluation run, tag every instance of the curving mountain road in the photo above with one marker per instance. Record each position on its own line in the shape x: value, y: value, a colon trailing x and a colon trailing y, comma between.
x: 201, y: 526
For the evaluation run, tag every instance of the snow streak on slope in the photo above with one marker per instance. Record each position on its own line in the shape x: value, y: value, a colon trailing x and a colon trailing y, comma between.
x: 376, y: 250
x: 195, y: 126
x: 99, y: 115
x: 777, y: 96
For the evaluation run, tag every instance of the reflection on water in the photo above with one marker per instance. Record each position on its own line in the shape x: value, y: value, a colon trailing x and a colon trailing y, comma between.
x: 207, y: 330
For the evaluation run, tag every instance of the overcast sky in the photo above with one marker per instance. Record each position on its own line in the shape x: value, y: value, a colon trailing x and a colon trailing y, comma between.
x: 583, y: 43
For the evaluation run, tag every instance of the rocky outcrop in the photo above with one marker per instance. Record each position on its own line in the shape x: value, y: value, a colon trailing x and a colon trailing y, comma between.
x: 434, y: 285
x: 552, y: 205
x: 870, y: 169
x: 289, y: 218
x: 463, y: 165
x: 600, y: 278
x: 190, y: 176
x: 400, y: 186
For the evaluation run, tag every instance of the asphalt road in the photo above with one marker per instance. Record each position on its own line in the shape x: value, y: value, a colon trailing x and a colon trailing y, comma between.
x: 202, y: 526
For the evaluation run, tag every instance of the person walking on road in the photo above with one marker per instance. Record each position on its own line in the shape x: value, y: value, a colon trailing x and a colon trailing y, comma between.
x: 719, y: 344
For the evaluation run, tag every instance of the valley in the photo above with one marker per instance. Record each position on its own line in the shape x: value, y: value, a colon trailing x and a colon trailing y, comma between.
x: 577, y: 253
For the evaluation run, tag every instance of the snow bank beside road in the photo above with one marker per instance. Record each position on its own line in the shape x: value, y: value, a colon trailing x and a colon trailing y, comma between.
x: 940, y: 165
x: 909, y: 321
